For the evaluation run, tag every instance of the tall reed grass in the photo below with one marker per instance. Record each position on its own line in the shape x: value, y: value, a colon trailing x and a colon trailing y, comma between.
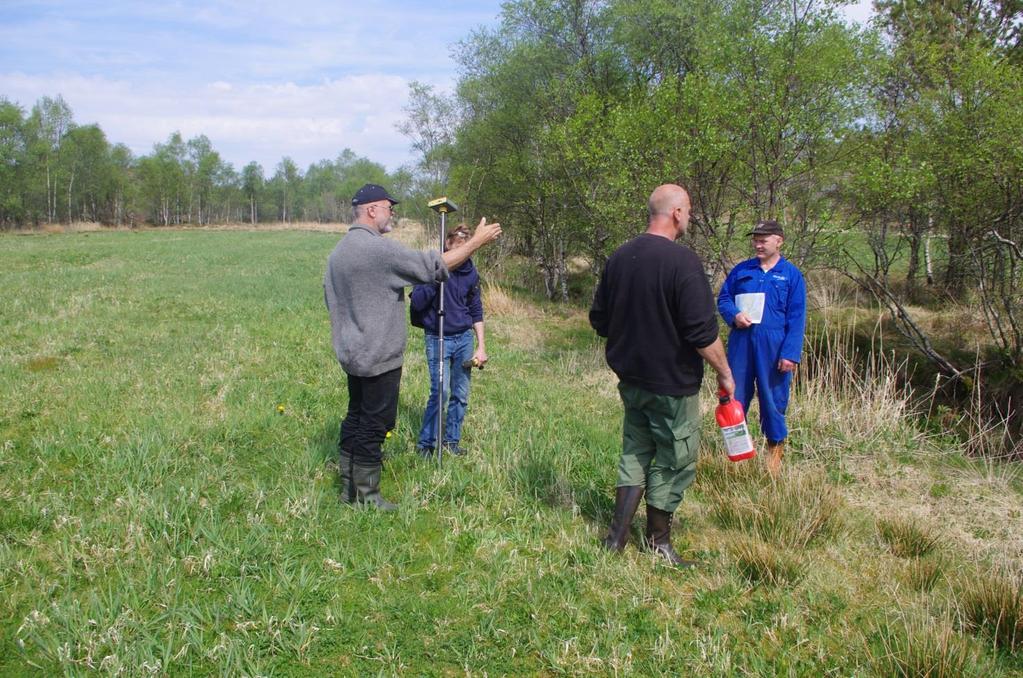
x: 850, y: 398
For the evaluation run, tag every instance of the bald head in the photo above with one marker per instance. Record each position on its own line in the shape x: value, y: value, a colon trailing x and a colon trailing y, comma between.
x: 668, y: 209
x: 666, y: 198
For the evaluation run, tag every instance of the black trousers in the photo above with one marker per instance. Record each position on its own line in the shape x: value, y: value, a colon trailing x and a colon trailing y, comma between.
x: 372, y: 411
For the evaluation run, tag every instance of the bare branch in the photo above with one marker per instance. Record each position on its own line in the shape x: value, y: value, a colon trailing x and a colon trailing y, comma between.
x: 1012, y: 245
x: 903, y: 320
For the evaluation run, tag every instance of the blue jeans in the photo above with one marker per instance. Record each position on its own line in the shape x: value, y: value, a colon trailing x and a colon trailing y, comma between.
x: 458, y: 348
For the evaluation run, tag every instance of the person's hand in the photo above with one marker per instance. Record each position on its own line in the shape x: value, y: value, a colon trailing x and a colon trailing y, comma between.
x: 726, y: 383
x: 480, y: 356
x: 742, y: 321
x: 486, y: 232
x: 786, y: 365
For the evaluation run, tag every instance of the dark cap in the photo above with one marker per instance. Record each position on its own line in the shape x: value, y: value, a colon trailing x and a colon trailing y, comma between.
x: 767, y: 227
x: 372, y: 193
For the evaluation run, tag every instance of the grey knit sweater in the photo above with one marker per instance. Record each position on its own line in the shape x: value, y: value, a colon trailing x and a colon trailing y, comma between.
x: 364, y: 288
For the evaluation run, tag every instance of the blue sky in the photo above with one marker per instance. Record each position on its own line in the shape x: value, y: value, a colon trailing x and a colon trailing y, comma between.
x: 262, y: 79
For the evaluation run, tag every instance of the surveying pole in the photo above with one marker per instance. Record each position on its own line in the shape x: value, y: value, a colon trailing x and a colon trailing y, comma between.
x: 442, y: 206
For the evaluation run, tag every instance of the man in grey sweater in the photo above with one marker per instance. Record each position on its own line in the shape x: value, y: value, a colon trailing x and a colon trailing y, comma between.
x: 364, y: 288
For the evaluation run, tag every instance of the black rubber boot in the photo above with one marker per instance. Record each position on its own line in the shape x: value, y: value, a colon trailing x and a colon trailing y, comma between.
x: 367, y: 482
x: 658, y: 537
x: 346, y: 468
x: 360, y: 484
x: 626, y: 503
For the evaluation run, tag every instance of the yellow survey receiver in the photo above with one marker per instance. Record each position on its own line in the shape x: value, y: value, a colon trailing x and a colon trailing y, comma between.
x: 442, y: 205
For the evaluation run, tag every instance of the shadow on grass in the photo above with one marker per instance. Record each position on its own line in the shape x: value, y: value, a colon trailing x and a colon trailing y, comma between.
x: 324, y: 442
x: 540, y: 480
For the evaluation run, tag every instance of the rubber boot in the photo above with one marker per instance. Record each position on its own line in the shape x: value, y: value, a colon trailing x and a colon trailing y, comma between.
x: 658, y: 537
x: 367, y: 482
x: 626, y: 502
x: 346, y: 468
x: 360, y: 484
x: 775, y: 452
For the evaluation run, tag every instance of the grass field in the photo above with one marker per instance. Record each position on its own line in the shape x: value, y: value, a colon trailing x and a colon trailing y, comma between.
x: 160, y: 516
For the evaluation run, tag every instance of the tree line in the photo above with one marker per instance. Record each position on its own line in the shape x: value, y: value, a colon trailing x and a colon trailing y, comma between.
x: 53, y: 170
x: 871, y: 144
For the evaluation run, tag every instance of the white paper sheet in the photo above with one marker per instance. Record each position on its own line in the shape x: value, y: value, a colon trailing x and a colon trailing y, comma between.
x: 752, y: 305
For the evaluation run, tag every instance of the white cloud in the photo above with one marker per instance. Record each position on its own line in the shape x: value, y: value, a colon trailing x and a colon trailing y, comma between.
x: 859, y: 11
x: 245, y: 122
x: 261, y: 78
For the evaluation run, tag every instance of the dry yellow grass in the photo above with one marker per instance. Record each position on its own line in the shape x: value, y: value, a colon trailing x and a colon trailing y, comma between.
x: 981, y: 513
x: 74, y: 227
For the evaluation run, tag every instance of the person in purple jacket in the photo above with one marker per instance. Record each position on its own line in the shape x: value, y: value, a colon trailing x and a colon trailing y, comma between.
x: 463, y: 320
x: 763, y: 300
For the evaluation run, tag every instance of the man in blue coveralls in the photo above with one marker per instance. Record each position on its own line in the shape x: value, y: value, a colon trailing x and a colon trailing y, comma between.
x: 763, y: 300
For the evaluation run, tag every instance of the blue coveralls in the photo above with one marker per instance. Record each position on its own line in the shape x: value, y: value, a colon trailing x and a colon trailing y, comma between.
x: 753, y: 353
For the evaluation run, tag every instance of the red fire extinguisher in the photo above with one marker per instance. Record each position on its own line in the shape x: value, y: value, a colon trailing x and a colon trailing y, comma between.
x: 732, y: 422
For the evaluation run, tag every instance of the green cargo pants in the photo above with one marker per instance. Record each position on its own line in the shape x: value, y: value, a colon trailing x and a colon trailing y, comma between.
x: 660, y: 438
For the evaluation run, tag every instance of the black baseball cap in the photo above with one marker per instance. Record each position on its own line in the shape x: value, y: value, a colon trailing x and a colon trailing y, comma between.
x: 372, y: 193
x: 767, y: 227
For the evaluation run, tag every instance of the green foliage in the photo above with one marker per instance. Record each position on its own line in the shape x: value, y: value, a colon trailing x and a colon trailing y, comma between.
x: 12, y: 152
x: 52, y: 170
x: 589, y: 112
x: 936, y: 158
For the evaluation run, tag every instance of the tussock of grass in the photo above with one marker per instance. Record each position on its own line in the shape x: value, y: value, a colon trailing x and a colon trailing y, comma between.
x: 923, y: 574
x: 798, y: 509
x: 540, y: 479
x: 914, y: 644
x: 716, y: 473
x: 905, y: 537
x: 992, y: 602
x: 762, y: 563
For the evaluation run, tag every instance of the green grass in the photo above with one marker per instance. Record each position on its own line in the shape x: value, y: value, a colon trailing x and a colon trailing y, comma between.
x: 158, y: 515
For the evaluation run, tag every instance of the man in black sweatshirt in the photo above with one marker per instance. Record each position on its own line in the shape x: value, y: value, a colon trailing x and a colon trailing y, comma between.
x: 655, y: 307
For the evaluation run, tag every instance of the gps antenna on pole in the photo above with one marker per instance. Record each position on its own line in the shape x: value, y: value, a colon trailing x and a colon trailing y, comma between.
x: 442, y: 206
